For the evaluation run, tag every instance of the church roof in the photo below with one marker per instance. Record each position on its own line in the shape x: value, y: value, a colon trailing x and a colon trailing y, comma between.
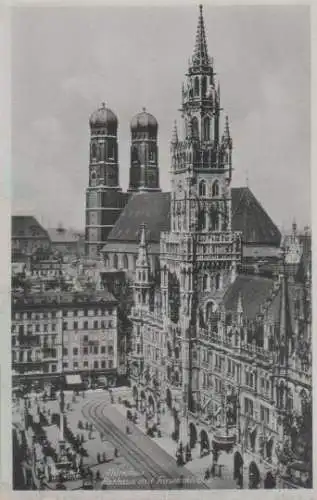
x: 153, y: 209
x: 249, y: 216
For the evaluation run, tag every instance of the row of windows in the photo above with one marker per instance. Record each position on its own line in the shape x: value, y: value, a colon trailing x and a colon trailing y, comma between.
x: 91, y: 349
x: 68, y: 313
x: 85, y: 364
x: 52, y: 327
x: 52, y: 352
x: 85, y: 325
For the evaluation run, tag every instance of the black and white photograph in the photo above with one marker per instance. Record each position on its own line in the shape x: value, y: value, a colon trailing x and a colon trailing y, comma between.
x: 161, y: 247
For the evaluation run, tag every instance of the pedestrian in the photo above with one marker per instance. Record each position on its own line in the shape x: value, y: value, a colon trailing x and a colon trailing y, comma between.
x: 98, y: 476
x: 104, y: 458
x: 116, y: 453
x: 98, y: 458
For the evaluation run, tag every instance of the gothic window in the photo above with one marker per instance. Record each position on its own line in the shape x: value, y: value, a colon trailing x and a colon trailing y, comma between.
x: 215, y: 189
x: 134, y: 154
x: 214, y: 219
x: 205, y: 282
x: 217, y: 281
x: 204, y: 86
x: 202, y: 188
x: 125, y: 262
x: 93, y: 151
x: 115, y: 261
x: 207, y: 128
x: 93, y: 178
x: 202, y: 220
x: 196, y: 86
x: 195, y: 128
x: 111, y: 150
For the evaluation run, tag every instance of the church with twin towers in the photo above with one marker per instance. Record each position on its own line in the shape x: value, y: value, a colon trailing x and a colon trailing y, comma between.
x: 201, y: 161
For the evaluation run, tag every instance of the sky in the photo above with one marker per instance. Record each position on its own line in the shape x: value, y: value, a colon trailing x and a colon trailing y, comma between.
x: 67, y: 60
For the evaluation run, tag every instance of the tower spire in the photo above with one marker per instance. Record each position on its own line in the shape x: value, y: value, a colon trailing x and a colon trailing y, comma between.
x: 200, y: 56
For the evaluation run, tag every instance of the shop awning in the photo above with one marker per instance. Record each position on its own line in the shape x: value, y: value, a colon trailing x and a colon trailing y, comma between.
x: 73, y: 379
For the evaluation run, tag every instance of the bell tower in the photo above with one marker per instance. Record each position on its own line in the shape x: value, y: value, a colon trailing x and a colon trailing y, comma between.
x: 103, y: 192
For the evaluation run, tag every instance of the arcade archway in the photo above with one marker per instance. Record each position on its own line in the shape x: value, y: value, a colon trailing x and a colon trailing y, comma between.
x: 237, y: 465
x: 254, y: 476
x: 269, y: 481
x: 192, y: 435
x: 204, y: 442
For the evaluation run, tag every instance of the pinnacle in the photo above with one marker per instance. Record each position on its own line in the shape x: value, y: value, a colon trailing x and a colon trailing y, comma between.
x: 200, y: 56
x: 174, y: 134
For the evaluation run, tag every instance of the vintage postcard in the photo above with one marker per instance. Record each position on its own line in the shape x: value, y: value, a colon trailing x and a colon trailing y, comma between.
x: 161, y: 248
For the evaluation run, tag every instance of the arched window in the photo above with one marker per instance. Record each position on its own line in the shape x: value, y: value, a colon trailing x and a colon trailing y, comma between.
x: 202, y: 220
x: 106, y: 259
x: 214, y: 219
x: 195, y: 128
x: 217, y: 281
x: 215, y: 189
x: 202, y: 188
x: 196, y: 87
x: 134, y: 154
x: 207, y: 128
x: 135, y: 258
x: 205, y: 282
x: 125, y: 262
x: 93, y: 151
x: 115, y: 261
x: 111, y: 150
x: 203, y: 86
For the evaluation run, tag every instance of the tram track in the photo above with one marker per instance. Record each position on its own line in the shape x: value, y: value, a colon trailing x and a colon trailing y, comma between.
x: 155, y: 475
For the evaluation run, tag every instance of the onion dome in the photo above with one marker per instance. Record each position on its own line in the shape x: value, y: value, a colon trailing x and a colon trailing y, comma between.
x: 144, y: 121
x: 103, y: 117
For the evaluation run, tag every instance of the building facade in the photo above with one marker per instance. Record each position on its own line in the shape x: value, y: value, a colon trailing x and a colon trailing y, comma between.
x: 56, y: 333
x: 228, y: 354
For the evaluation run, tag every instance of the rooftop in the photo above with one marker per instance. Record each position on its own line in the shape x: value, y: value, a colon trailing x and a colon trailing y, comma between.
x: 27, y: 226
x: 57, y: 298
x: 153, y: 210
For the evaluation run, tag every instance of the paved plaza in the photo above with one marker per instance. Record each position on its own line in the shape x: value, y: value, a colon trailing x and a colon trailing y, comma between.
x: 139, y: 458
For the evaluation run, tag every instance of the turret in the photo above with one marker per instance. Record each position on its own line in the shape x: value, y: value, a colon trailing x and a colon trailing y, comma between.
x: 142, y: 281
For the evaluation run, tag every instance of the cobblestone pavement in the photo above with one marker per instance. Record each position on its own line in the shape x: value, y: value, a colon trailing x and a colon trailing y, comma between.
x: 121, y: 466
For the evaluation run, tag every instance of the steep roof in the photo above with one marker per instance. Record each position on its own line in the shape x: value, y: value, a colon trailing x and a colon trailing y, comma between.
x: 26, y: 226
x: 249, y: 216
x: 254, y: 290
x: 153, y: 209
